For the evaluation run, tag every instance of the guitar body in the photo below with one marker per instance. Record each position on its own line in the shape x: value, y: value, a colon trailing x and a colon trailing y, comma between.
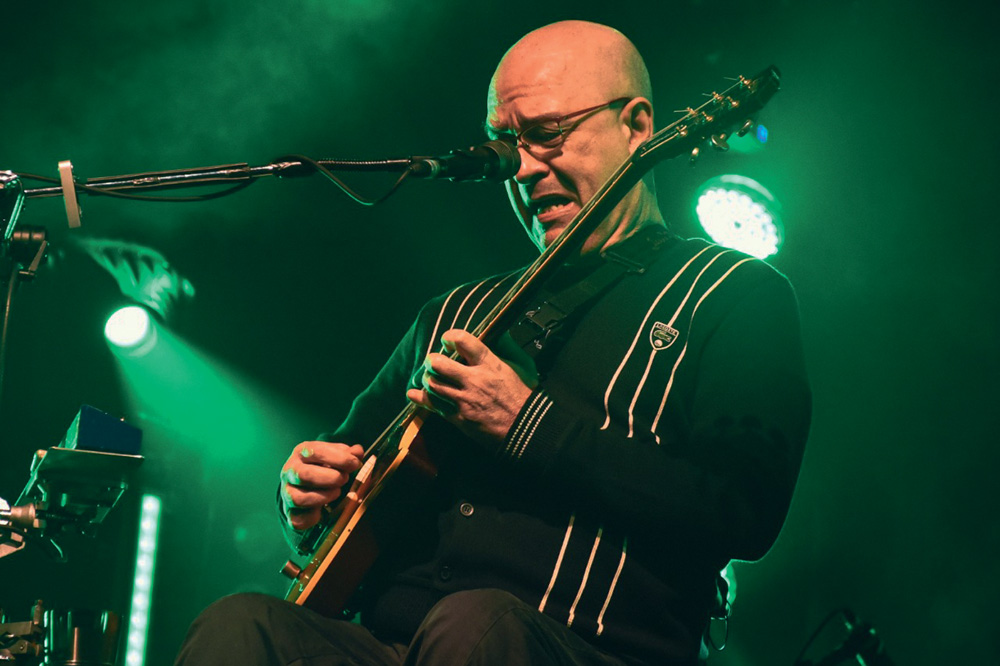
x: 329, y: 580
x: 350, y: 546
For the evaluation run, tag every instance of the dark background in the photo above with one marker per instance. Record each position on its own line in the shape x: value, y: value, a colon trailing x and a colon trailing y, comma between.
x: 882, y: 153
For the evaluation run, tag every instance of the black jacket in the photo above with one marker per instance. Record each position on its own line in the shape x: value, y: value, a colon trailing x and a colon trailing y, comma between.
x: 664, y: 440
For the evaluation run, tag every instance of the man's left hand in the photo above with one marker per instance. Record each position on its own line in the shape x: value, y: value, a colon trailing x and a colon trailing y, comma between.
x: 482, y: 396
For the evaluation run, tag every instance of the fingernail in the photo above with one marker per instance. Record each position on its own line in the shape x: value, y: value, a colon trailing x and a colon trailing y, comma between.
x: 305, y: 453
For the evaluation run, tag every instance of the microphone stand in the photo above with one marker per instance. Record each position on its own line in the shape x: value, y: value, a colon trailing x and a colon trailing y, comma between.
x: 21, y: 252
x: 221, y: 175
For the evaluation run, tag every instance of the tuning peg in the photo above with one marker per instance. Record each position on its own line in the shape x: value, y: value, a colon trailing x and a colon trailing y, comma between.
x: 719, y: 142
x: 695, y: 152
x: 747, y: 126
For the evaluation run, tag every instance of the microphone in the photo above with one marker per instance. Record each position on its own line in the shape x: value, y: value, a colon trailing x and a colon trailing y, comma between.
x: 493, y: 160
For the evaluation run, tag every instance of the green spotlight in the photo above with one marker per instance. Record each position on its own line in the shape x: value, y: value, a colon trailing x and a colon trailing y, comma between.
x: 203, y: 401
x: 740, y: 213
x: 128, y: 327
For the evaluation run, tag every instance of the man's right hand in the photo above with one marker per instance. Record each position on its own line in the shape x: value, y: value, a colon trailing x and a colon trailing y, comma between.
x: 313, y: 476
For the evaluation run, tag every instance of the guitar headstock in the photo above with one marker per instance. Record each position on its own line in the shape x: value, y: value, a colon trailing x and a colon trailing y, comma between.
x: 714, y: 120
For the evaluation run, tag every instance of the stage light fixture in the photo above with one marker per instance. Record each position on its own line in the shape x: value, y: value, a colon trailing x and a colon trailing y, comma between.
x: 129, y: 327
x: 738, y: 212
x: 143, y: 274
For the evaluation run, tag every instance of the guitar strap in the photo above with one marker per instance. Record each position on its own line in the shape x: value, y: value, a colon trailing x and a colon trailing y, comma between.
x: 539, y: 328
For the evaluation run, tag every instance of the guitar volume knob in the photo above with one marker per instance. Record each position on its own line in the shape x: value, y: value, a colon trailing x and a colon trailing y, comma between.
x: 291, y: 570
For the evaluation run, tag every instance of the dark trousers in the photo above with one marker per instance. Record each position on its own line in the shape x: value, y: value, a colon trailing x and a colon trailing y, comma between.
x: 475, y: 627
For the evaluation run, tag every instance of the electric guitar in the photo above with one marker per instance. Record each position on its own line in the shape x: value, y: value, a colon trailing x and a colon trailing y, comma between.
x: 342, y: 547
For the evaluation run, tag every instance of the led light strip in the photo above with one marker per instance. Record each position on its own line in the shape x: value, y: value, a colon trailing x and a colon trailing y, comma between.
x: 142, y: 587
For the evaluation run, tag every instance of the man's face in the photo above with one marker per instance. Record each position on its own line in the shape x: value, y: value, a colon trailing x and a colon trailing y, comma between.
x: 552, y: 185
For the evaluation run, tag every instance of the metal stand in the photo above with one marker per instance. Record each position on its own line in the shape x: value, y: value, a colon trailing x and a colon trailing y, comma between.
x: 71, y: 488
x: 61, y: 638
x: 22, y: 641
x: 21, y: 251
x: 226, y: 174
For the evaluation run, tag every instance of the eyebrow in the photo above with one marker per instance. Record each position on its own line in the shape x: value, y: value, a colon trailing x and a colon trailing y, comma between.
x: 493, y: 132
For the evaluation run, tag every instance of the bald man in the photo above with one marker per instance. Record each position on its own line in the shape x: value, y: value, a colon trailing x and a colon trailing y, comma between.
x: 596, y: 470
x: 563, y: 67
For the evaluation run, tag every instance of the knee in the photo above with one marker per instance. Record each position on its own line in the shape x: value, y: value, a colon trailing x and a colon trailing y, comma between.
x: 236, y: 610
x: 476, y: 601
x: 480, y: 627
x: 464, y: 620
x: 473, y: 607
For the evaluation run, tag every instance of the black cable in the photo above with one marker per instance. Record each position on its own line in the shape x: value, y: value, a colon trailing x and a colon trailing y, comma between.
x: 97, y: 189
x: 342, y: 185
x: 346, y: 189
x: 44, y: 179
x: 11, y: 285
x: 94, y: 189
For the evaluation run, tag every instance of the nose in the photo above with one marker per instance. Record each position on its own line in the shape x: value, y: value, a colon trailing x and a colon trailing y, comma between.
x: 531, y: 169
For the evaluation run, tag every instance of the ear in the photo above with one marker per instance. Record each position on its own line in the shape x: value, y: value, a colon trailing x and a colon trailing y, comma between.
x: 638, y: 114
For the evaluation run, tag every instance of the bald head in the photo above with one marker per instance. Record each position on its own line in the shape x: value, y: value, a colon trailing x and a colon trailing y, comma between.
x: 593, y: 60
x: 583, y: 91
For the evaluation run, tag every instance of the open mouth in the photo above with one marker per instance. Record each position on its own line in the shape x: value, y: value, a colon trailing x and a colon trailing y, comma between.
x: 549, y: 205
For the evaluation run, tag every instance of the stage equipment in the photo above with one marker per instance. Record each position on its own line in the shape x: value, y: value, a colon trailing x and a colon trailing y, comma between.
x: 61, y: 638
x: 493, y: 160
x: 11, y: 200
x: 143, y: 274
x: 128, y: 327
x: 23, y: 641
x: 21, y: 251
x: 142, y: 584
x: 73, y: 486
x: 740, y: 213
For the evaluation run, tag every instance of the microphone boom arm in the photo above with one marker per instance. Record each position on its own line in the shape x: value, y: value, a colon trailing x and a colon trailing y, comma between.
x: 494, y: 160
x: 226, y: 174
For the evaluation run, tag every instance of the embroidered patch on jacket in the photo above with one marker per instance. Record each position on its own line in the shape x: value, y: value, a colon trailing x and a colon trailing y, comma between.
x: 662, y: 336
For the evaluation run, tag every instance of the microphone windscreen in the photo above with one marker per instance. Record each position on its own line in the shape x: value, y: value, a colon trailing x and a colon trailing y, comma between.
x: 509, y: 159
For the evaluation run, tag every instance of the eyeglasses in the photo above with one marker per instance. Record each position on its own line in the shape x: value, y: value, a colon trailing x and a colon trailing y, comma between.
x: 550, y: 133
